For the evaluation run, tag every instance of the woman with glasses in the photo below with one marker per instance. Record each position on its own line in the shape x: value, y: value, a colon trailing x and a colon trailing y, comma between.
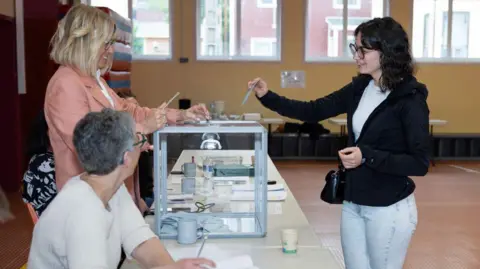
x: 93, y: 217
x: 388, y: 141
x: 82, y: 46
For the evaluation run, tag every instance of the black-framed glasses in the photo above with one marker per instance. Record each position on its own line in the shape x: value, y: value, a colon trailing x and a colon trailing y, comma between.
x: 112, y: 41
x: 109, y: 43
x: 142, y: 139
x: 359, y: 50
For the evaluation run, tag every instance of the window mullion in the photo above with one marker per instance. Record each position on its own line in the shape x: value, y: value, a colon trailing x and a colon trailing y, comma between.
x: 130, y: 13
x: 278, y: 24
x: 345, y: 28
x: 238, y: 27
x: 449, y: 28
x: 386, y: 7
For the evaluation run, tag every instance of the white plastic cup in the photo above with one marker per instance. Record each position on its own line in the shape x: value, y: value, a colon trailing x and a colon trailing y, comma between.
x: 289, y: 241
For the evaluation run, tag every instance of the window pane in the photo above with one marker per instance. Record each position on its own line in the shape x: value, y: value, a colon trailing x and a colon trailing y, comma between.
x: 367, y: 10
x: 151, y: 27
x: 258, y: 24
x: 429, y: 34
x: 119, y: 6
x: 325, y: 25
x: 232, y: 29
x: 465, y: 29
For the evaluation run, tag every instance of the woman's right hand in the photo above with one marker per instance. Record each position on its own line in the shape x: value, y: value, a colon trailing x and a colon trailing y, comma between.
x: 261, y: 88
x: 156, y: 119
x: 194, y: 263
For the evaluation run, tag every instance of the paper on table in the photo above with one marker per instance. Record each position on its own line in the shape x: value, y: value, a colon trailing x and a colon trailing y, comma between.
x: 250, y: 195
x: 243, y: 179
x: 223, y: 259
x: 239, y: 262
x: 251, y: 187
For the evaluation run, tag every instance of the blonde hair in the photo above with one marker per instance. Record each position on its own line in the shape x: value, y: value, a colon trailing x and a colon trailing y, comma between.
x: 80, y: 35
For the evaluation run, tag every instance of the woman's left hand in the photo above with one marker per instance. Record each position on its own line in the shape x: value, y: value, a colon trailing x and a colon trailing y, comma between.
x: 351, y: 157
x: 197, y: 112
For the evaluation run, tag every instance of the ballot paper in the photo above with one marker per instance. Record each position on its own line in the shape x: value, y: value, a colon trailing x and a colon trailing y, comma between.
x: 249, y: 91
x: 224, y: 259
x: 239, y: 262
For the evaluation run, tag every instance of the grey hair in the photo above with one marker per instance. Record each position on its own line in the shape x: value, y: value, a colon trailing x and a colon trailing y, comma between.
x: 102, y: 138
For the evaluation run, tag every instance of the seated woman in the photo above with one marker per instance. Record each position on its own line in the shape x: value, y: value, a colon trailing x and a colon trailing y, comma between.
x: 93, y: 215
x: 39, y: 186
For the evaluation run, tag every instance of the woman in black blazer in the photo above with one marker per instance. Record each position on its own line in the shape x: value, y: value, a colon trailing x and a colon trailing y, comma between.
x: 388, y: 141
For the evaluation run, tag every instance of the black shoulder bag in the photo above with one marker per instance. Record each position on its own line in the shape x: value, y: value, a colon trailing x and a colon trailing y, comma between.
x: 333, y: 191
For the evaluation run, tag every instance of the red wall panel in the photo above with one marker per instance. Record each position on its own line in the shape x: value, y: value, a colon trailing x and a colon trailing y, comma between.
x: 9, y: 110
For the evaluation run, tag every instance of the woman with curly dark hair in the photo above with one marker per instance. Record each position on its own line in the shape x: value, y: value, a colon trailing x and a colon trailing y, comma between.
x: 388, y: 141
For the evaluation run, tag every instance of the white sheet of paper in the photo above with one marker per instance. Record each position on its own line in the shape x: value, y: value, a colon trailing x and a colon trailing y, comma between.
x: 250, y: 195
x: 251, y: 187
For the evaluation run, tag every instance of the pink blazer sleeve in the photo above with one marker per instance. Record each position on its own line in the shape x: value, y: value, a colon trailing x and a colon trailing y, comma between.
x: 65, y: 106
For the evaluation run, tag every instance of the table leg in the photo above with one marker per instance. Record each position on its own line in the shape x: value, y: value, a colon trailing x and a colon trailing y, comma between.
x: 432, y: 144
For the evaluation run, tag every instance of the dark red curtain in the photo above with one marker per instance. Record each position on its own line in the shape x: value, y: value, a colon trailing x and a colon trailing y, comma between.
x: 18, y: 111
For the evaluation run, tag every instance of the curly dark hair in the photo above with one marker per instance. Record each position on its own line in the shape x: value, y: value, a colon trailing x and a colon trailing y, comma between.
x: 389, y: 38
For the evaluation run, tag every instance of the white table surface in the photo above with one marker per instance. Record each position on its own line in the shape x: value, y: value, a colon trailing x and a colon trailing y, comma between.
x: 266, y: 252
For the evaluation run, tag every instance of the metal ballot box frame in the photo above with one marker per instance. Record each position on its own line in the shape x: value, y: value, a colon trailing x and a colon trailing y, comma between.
x: 238, y: 224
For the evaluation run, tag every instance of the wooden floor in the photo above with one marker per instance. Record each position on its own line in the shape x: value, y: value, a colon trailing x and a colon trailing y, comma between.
x: 448, y: 201
x: 447, y: 236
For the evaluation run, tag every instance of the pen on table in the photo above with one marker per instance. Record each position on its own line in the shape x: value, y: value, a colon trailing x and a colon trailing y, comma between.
x: 201, y: 247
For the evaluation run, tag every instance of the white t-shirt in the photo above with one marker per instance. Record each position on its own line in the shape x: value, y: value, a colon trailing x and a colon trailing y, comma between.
x: 77, y: 231
x: 371, y: 98
x: 104, y: 90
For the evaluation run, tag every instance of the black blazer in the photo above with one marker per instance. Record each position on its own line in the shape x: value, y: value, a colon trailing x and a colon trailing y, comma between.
x: 394, y: 140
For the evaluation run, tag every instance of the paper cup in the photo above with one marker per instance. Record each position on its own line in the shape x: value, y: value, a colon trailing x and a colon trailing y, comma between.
x: 289, y: 241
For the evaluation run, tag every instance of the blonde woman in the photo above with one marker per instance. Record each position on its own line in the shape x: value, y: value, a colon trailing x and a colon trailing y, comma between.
x: 82, y: 46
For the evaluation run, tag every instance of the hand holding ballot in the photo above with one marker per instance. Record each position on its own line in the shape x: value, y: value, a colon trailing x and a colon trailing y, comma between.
x: 196, y: 113
x: 260, y: 87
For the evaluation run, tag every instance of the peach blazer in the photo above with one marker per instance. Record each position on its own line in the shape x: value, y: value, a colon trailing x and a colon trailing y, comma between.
x: 69, y: 97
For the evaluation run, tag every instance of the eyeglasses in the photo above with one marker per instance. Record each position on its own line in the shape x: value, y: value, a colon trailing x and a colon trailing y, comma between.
x: 360, y: 50
x: 112, y: 41
x: 142, y: 139
x: 109, y: 43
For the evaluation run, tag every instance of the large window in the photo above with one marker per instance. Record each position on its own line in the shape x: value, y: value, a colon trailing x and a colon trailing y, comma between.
x: 446, y: 29
x: 151, y: 25
x: 330, y: 25
x: 238, y: 30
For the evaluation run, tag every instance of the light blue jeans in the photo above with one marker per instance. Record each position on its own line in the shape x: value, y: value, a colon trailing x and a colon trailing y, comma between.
x: 377, y: 237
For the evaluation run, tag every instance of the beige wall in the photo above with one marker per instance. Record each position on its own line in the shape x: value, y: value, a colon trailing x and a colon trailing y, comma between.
x: 7, y: 7
x: 454, y: 90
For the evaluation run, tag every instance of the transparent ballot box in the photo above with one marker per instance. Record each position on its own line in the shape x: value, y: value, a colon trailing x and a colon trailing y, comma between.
x: 223, y: 189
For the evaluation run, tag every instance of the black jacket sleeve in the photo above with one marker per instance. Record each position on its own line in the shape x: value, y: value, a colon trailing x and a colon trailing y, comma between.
x: 415, y: 120
x: 309, y: 111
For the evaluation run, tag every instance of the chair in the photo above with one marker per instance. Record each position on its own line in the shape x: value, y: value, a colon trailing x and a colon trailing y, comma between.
x: 33, y: 213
